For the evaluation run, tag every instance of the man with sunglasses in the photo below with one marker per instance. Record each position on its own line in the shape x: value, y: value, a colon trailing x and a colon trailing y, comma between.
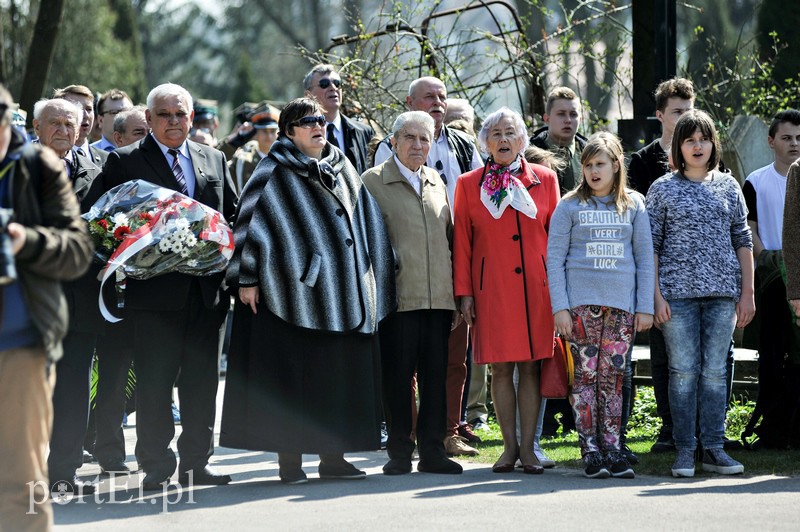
x: 176, y: 317
x: 324, y: 84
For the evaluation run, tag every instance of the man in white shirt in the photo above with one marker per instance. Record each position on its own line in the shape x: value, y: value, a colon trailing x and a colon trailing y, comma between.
x: 778, y: 347
x: 452, y: 152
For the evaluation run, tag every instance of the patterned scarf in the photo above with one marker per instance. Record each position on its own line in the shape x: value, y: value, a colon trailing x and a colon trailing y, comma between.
x: 500, y: 188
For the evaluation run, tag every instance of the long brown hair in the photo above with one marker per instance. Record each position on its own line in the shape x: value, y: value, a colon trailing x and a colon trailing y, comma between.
x: 608, y: 144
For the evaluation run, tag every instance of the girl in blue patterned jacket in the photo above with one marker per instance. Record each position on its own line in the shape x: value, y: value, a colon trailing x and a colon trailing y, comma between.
x: 704, y: 287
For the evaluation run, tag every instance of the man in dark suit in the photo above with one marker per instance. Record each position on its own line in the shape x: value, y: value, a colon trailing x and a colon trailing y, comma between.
x: 56, y: 123
x: 324, y: 84
x: 84, y: 98
x: 176, y: 317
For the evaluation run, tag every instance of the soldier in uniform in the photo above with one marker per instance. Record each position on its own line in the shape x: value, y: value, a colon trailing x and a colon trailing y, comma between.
x: 246, y: 158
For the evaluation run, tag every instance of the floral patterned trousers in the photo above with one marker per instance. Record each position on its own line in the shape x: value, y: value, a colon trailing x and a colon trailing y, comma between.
x: 601, y: 337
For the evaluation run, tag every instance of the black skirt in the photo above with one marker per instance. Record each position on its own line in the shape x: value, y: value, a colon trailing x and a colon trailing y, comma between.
x: 295, y: 390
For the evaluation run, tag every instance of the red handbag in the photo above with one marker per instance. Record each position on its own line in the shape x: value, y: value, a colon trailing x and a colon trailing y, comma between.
x: 555, y: 376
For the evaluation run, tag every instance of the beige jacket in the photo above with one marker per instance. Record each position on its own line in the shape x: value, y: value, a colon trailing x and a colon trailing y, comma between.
x: 421, y: 232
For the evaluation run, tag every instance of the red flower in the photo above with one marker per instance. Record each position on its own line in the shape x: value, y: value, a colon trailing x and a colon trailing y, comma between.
x: 146, y: 216
x: 121, y: 231
x: 103, y: 224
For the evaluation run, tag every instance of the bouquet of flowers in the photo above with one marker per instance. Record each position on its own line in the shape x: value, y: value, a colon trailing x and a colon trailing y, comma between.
x: 143, y: 230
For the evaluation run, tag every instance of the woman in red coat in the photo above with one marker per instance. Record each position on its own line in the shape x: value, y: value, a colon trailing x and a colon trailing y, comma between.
x: 502, y: 212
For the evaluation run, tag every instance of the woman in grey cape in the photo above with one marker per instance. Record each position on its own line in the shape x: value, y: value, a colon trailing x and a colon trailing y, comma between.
x: 314, y: 272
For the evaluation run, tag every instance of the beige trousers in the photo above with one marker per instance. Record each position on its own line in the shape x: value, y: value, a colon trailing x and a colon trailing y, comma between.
x: 26, y: 412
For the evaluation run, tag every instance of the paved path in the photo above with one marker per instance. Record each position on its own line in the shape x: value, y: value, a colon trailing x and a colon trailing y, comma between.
x: 561, y: 499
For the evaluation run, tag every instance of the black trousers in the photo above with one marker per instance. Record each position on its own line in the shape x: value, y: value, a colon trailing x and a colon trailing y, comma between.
x: 415, y: 342
x: 114, y: 357
x: 70, y: 406
x: 168, y: 344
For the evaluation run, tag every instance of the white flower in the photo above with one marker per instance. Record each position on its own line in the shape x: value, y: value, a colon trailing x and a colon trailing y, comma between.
x: 191, y: 241
x: 119, y: 219
x: 185, y: 253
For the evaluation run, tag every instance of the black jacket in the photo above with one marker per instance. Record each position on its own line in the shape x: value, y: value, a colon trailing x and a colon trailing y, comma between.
x: 214, y: 187
x: 356, y: 140
x: 82, y: 294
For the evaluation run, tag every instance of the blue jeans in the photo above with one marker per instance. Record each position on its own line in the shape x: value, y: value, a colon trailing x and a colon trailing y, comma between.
x: 698, y: 337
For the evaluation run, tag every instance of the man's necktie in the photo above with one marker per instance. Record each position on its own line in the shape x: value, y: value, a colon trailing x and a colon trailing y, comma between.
x: 178, y: 171
x: 110, y: 148
x: 332, y: 135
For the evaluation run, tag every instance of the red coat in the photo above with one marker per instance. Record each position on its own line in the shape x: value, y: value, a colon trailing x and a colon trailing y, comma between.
x: 501, y: 263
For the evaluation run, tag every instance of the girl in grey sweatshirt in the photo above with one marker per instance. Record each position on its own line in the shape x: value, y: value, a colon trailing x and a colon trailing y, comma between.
x: 601, y: 276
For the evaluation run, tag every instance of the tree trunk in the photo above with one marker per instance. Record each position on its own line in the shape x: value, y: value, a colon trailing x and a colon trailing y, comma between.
x: 40, y: 55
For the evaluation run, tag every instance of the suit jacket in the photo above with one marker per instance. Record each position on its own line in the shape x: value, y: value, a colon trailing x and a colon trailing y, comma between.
x: 81, y: 294
x: 356, y: 140
x: 97, y: 155
x: 214, y: 187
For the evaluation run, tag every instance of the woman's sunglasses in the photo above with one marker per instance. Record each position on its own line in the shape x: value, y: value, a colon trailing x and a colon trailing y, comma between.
x: 310, y: 121
x: 325, y: 83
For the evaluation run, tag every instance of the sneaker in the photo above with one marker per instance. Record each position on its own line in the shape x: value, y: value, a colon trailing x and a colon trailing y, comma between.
x: 718, y: 461
x: 664, y: 443
x: 594, y: 466
x: 479, y: 425
x: 465, y: 431
x: 455, y: 445
x: 545, y: 461
x: 684, y: 463
x: 629, y: 455
x: 618, y: 466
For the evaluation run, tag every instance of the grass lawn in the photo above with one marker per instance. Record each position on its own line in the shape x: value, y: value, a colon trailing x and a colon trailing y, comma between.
x: 566, y: 453
x: 643, y: 428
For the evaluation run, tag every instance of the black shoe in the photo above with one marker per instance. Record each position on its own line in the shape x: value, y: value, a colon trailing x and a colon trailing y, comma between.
x: 293, y: 476
x: 340, y: 471
x: 629, y: 455
x: 442, y: 465
x: 71, y: 486
x: 155, y: 481
x: 618, y: 465
x: 664, y: 443
x: 731, y: 445
x: 594, y: 466
x: 117, y: 468
x: 204, y: 477
x: 291, y: 468
x: 397, y: 466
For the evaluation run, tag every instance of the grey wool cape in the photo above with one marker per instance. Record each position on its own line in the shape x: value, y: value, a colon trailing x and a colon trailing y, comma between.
x: 304, y: 371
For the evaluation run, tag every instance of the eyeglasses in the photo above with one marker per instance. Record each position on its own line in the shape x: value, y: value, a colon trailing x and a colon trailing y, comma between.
x: 310, y: 121
x: 440, y: 169
x: 325, y: 83
x: 168, y: 117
